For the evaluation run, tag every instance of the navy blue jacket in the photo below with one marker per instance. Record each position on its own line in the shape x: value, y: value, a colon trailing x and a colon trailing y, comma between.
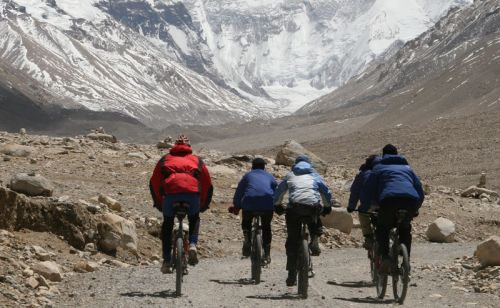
x: 392, y: 177
x: 255, y: 191
x: 356, y: 190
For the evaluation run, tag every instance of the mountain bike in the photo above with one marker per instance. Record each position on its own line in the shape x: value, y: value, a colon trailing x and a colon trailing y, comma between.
x: 257, y: 252
x: 372, y: 251
x: 180, y: 250
x: 400, y: 267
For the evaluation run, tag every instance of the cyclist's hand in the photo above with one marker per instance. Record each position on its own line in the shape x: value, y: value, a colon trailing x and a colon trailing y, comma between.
x: 350, y: 210
x: 233, y: 210
x: 326, y: 210
x: 279, y: 209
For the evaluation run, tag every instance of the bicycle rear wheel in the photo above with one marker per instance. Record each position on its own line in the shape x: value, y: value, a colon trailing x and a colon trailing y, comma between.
x: 373, y: 266
x: 401, y: 276
x: 303, y: 269
x: 257, y: 258
x: 179, y: 266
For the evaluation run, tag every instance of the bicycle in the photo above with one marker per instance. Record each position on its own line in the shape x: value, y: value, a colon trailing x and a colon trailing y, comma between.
x: 400, y: 267
x: 372, y: 251
x: 180, y: 250
x: 257, y: 252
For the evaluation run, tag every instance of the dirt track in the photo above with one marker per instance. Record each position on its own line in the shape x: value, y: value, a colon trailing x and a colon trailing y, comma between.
x: 340, y: 281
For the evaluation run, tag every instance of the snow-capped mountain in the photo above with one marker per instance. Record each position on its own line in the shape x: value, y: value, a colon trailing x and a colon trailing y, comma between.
x: 202, y: 61
x: 297, y: 50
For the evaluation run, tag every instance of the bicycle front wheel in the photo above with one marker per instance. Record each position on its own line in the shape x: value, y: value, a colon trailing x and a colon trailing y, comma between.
x: 303, y: 269
x: 179, y: 266
x: 401, y: 277
x: 257, y: 258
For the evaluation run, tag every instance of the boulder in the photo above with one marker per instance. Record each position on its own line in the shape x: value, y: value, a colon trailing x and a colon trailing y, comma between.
x: 31, y: 185
x: 41, y: 254
x: 116, y: 231
x: 102, y: 137
x: 442, y: 230
x: 17, y: 150
x: 339, y: 219
x: 49, y: 270
x: 291, y: 149
x: 110, y: 202
x: 488, y: 251
x: 69, y: 220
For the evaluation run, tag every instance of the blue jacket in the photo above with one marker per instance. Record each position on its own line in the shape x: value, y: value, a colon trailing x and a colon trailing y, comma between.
x: 392, y: 177
x: 255, y: 191
x: 358, y: 185
x: 305, y: 186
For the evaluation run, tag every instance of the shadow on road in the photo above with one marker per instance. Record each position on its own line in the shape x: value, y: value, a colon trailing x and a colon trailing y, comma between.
x: 276, y: 297
x: 352, y: 284
x: 242, y: 281
x: 161, y: 294
x: 365, y: 300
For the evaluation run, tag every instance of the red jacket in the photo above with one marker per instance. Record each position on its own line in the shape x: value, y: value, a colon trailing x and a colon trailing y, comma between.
x: 181, y: 172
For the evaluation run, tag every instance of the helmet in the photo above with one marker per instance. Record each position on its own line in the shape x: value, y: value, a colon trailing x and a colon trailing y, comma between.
x: 182, y: 139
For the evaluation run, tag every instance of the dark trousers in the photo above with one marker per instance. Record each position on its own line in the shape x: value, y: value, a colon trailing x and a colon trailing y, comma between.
x: 293, y: 219
x: 387, y: 219
x: 246, y: 226
x: 166, y: 231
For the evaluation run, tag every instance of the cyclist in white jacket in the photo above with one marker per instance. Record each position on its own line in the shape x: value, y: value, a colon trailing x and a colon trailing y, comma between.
x: 308, y: 196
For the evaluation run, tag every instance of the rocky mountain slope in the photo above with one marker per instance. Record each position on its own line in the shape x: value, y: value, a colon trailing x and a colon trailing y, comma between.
x: 450, y: 70
x: 198, y: 62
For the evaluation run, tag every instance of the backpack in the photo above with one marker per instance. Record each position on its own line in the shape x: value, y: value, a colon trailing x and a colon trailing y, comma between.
x: 181, y: 174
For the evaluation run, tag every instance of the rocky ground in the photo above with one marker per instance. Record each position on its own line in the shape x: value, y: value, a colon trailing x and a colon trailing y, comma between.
x: 92, y: 177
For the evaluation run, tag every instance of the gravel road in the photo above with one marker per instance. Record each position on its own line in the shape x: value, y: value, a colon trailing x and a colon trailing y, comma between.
x: 341, y: 281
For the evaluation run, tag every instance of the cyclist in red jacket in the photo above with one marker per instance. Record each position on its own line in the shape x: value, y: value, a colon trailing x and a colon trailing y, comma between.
x: 180, y: 176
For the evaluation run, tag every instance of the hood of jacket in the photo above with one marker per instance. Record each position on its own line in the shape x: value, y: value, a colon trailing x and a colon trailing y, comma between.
x: 390, y: 159
x: 302, y: 168
x: 181, y: 150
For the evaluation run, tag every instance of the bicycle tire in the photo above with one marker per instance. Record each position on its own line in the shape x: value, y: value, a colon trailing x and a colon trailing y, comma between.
x: 303, y: 269
x: 257, y: 258
x: 373, y: 267
x: 401, y: 275
x: 178, y: 266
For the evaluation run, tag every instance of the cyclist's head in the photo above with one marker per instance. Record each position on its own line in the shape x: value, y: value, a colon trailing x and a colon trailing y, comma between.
x: 390, y: 149
x: 369, y: 162
x: 258, y: 163
x: 302, y: 157
x: 182, y: 139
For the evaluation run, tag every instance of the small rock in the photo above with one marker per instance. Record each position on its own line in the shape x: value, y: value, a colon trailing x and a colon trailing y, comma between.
x: 49, y: 270
x: 129, y: 164
x: 116, y: 231
x: 22, y: 132
x: 17, y: 150
x: 90, y: 247
x: 85, y: 266
x: 110, y: 202
x: 102, y: 137
x: 32, y: 282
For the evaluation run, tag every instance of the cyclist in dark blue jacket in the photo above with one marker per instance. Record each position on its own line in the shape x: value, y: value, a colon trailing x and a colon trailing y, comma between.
x: 357, y: 187
x: 255, y: 193
x: 394, y: 186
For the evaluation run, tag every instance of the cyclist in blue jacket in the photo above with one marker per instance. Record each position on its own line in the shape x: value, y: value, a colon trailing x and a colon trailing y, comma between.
x: 394, y: 186
x: 357, y: 187
x: 255, y: 193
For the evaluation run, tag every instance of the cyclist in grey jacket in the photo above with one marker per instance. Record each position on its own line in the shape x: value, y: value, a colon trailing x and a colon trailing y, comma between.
x: 308, y: 196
